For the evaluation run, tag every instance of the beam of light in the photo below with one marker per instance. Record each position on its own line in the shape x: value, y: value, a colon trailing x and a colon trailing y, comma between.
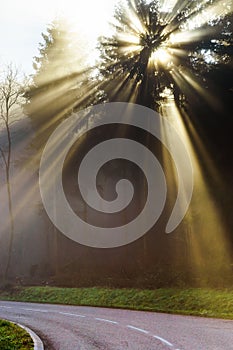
x: 129, y: 38
x: 182, y: 37
x: 25, y: 187
x: 186, y: 78
x: 167, y: 17
x: 209, y: 15
x: 167, y: 5
x: 135, y: 22
x: 161, y: 55
x: 205, y: 229
x: 132, y: 49
x: 49, y: 100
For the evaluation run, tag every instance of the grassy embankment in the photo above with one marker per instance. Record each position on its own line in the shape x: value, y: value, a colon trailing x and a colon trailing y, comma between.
x: 13, y: 337
x: 200, y: 302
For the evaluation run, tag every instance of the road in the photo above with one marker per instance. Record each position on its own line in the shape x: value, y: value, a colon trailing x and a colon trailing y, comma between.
x: 86, y: 328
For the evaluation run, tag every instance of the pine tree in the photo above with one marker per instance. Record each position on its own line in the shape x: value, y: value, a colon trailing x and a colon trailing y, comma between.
x: 152, y: 48
x: 55, y: 86
x: 54, y: 92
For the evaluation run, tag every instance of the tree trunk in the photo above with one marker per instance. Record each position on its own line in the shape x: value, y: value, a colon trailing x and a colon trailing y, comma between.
x: 9, y: 193
x: 11, y: 239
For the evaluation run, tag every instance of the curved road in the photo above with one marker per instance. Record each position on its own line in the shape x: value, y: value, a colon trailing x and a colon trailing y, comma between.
x: 87, y: 328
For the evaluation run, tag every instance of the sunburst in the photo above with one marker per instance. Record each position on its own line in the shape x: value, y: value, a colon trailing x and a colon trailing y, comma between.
x: 154, y: 40
x: 159, y: 57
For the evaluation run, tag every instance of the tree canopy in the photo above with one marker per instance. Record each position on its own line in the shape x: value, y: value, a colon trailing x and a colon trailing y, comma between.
x: 155, y: 47
x: 55, y: 85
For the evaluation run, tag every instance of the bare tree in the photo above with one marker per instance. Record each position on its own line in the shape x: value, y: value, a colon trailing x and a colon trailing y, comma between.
x: 11, y: 98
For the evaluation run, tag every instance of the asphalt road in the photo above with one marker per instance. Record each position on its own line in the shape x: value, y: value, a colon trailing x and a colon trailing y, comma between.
x: 87, y: 328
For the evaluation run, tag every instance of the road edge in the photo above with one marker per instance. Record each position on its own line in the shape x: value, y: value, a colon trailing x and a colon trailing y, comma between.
x: 38, y: 344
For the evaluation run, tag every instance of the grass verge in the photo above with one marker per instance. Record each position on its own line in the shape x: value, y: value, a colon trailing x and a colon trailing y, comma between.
x: 13, y: 337
x: 199, y: 302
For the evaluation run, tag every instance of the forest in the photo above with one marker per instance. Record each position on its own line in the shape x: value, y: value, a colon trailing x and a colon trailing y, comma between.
x: 177, y: 62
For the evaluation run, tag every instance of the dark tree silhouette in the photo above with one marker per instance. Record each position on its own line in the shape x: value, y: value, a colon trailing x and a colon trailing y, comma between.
x: 153, y: 53
x: 184, y: 53
x: 154, y: 48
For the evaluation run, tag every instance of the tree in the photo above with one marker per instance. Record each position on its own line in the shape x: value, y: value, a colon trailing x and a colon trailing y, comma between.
x: 153, y: 48
x: 55, y: 86
x: 183, y: 52
x: 11, y: 99
x: 55, y: 90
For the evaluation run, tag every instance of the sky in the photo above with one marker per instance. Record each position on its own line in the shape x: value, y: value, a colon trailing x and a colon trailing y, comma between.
x: 23, y: 21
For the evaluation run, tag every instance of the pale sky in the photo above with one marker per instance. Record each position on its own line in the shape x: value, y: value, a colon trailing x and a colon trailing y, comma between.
x: 23, y: 21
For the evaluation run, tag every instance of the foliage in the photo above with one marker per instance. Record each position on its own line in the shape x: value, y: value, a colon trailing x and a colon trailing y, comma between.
x: 56, y: 58
x: 200, y: 302
x: 55, y: 85
x: 185, y: 53
x: 153, y: 49
x: 13, y: 337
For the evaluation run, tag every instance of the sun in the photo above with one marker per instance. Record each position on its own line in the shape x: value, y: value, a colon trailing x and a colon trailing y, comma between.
x: 161, y: 55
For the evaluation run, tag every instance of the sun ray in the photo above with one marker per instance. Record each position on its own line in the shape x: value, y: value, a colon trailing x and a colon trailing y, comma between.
x: 148, y: 60
x: 209, y: 230
x: 208, y: 15
x: 164, y: 63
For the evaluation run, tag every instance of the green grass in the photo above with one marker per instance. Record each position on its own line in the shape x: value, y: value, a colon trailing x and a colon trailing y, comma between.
x: 13, y: 337
x: 200, y: 302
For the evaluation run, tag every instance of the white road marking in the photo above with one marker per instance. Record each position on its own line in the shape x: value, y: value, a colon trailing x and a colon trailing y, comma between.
x: 69, y: 314
x: 138, y: 329
x: 104, y: 320
x: 6, y: 307
x: 35, y: 310
x: 163, y: 340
